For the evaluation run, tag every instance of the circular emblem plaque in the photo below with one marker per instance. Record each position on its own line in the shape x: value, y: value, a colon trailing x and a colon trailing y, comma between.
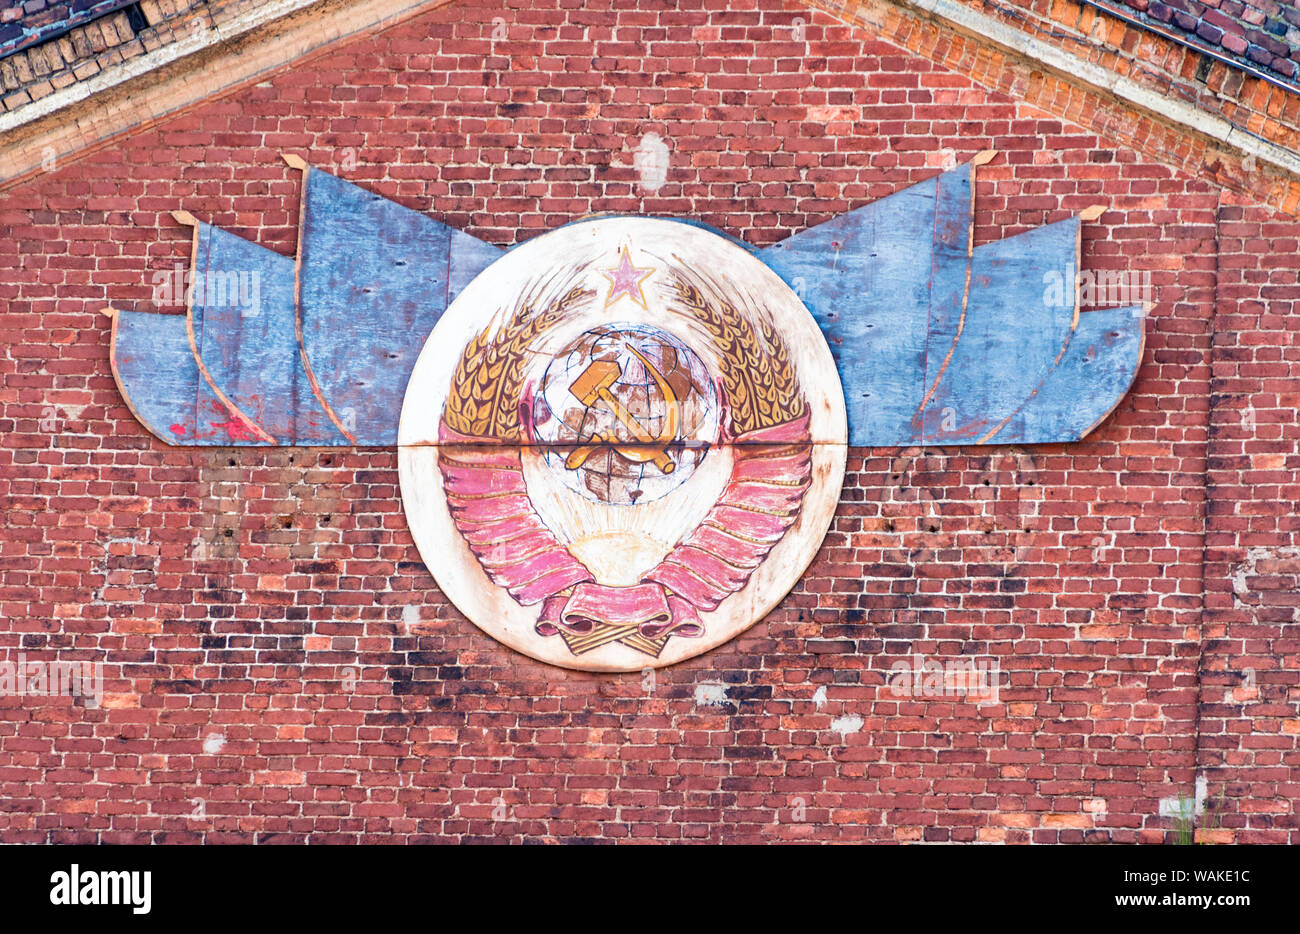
x: 622, y: 444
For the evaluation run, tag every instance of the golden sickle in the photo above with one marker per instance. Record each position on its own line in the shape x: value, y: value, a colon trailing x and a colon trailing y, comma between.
x: 593, y: 386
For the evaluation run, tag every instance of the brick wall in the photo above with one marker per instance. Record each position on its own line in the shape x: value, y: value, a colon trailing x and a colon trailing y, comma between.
x: 1249, y: 729
x: 281, y: 666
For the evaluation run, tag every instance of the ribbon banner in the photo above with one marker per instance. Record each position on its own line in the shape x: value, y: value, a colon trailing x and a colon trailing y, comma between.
x: 936, y: 341
x: 621, y: 443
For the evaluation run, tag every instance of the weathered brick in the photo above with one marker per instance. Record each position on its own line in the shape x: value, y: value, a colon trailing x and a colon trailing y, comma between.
x: 1138, y: 588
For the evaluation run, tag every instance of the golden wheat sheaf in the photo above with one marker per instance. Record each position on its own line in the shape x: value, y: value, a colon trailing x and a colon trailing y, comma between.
x: 486, y: 385
x: 759, y: 378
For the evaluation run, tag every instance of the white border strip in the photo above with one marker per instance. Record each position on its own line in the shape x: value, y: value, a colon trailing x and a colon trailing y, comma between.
x: 114, y: 75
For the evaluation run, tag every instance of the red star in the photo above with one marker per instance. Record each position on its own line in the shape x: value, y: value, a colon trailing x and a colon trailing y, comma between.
x: 626, y: 280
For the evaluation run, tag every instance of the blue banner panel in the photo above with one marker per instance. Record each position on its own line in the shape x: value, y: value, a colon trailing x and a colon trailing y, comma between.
x: 243, y: 320
x: 158, y: 377
x: 872, y: 279
x: 1093, y: 375
x: 373, y: 279
x: 1016, y: 326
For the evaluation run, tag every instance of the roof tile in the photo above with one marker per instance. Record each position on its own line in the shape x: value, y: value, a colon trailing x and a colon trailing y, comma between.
x: 1261, y: 34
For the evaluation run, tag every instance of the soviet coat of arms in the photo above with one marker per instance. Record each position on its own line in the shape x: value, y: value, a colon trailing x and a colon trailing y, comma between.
x: 622, y: 445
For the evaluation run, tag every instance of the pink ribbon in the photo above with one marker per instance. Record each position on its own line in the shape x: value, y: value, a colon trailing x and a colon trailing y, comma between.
x: 489, y: 504
x: 769, y: 477
x: 649, y: 607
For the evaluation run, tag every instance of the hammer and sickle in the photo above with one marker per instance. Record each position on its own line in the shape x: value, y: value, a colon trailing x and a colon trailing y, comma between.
x: 593, y: 387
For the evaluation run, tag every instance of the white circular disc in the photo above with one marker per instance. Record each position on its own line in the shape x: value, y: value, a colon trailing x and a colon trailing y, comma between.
x: 622, y: 445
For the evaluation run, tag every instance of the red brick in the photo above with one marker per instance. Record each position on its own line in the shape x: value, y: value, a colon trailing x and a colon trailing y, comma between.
x: 1082, y: 568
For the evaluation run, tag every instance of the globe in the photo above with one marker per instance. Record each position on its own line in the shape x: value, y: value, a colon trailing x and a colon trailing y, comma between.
x: 625, y: 414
